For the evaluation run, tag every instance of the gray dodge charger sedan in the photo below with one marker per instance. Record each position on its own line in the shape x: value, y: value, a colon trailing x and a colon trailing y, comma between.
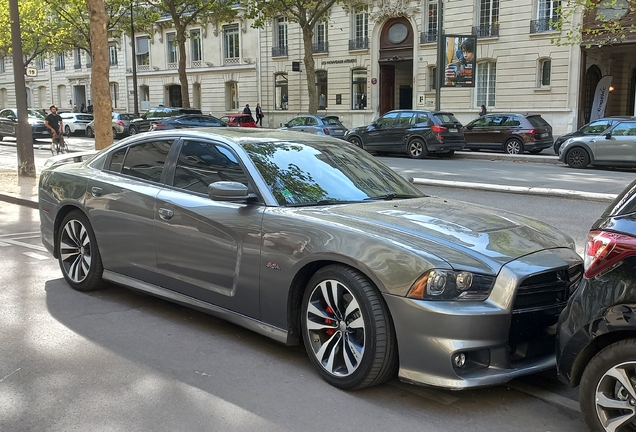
x: 306, y: 239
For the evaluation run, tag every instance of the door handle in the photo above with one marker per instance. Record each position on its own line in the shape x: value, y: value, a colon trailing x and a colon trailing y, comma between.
x: 165, y: 214
x: 96, y: 192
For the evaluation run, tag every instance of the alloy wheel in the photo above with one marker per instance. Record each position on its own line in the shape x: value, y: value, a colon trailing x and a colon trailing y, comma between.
x: 616, y: 397
x: 75, y: 251
x: 514, y: 147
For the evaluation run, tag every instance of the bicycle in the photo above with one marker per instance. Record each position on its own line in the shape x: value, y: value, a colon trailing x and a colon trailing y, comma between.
x: 59, y: 144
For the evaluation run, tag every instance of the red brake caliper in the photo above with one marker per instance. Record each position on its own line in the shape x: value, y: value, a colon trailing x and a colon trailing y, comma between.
x: 330, y: 332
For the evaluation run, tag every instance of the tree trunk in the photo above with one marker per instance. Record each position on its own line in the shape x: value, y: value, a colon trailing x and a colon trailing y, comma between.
x: 102, y: 105
x: 183, y: 77
x: 310, y: 69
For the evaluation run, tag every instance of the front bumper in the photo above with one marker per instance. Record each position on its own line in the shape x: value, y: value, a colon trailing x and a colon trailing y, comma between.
x: 504, y: 337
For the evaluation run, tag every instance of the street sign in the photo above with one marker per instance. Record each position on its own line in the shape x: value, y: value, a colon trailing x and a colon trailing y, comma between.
x: 31, y: 72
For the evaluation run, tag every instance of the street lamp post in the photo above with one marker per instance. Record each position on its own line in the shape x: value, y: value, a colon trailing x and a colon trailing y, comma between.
x: 134, y: 61
x: 440, y: 56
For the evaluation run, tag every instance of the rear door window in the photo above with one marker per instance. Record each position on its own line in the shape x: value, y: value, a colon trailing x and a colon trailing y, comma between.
x: 625, y: 129
x: 144, y: 160
x: 511, y: 121
x: 406, y: 119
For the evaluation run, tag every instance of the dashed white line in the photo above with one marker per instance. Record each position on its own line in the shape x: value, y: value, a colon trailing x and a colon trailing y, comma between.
x: 37, y: 256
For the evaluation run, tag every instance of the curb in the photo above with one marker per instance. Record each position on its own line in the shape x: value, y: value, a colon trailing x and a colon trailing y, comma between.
x: 19, y: 200
x: 565, y: 193
x: 548, y: 159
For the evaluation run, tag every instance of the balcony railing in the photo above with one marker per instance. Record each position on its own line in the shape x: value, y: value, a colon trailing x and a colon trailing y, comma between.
x: 232, y: 60
x: 320, y: 47
x: 358, y: 44
x: 173, y: 65
x: 279, y: 51
x: 196, y: 63
x: 428, y: 37
x: 143, y: 68
x: 486, y: 30
x: 544, y: 25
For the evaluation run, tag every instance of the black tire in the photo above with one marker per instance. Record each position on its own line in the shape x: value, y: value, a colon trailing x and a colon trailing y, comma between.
x: 114, y: 133
x: 67, y: 130
x: 339, y: 339
x: 601, y: 392
x: 89, y: 131
x: 132, y: 130
x: 356, y: 141
x: 577, y: 157
x: 513, y: 146
x: 416, y: 148
x: 78, y: 254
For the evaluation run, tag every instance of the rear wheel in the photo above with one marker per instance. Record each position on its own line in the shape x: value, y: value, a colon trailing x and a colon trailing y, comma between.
x: 513, y: 146
x: 132, y: 130
x: 356, y: 142
x: 347, y: 330
x: 608, y: 389
x: 67, y: 130
x: 416, y: 148
x: 78, y: 255
x: 577, y: 158
x: 114, y: 133
x: 89, y: 131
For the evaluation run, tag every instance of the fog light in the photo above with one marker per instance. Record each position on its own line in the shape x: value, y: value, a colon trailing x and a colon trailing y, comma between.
x: 459, y: 360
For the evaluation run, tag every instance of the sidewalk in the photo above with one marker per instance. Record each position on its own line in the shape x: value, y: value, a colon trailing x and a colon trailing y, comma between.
x: 19, y: 190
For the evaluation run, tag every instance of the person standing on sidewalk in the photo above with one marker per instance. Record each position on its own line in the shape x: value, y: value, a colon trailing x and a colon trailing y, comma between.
x: 55, y: 124
x: 259, y: 115
x: 247, y: 110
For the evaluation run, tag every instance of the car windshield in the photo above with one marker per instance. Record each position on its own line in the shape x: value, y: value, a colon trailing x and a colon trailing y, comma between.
x: 36, y: 114
x: 303, y: 173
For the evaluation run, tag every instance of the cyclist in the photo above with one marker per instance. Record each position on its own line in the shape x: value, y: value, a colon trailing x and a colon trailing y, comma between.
x: 55, y: 125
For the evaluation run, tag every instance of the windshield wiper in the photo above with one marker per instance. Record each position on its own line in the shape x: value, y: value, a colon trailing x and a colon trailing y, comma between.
x: 390, y: 196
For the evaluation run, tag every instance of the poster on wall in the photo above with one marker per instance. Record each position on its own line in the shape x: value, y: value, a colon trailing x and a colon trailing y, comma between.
x: 459, y: 55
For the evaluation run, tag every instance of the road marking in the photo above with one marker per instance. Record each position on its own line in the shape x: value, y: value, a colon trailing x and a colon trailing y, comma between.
x: 425, y: 392
x: 3, y: 244
x: 32, y: 233
x: 7, y: 376
x: 37, y: 256
x: 26, y: 245
x: 544, y: 395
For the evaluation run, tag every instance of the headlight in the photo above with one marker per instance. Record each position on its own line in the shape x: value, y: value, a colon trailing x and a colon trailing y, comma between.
x: 439, y: 284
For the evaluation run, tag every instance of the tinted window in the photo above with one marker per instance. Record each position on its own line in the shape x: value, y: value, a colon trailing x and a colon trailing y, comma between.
x: 446, y: 118
x: 203, y: 163
x: 539, y: 122
x: 146, y: 160
x: 312, y: 121
x: 407, y: 118
x: 387, y: 119
x: 625, y: 129
x: 6, y: 113
x: 511, y: 121
x: 423, y: 118
x: 117, y: 159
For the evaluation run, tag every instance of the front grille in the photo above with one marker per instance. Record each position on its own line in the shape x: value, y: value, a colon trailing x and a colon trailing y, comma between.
x: 547, y: 290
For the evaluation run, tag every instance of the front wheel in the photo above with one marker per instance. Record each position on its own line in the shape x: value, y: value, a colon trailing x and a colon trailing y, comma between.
x: 356, y: 142
x: 78, y: 254
x: 89, y: 131
x: 347, y: 330
x: 416, y: 148
x: 577, y: 158
x: 67, y: 130
x: 608, y: 389
x: 513, y: 146
x: 132, y: 130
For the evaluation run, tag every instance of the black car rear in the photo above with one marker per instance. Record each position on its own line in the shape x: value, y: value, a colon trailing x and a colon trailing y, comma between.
x: 596, y: 336
x: 188, y: 121
x: 414, y: 132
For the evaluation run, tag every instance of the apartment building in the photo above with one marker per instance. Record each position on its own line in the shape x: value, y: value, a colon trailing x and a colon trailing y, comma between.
x: 368, y: 60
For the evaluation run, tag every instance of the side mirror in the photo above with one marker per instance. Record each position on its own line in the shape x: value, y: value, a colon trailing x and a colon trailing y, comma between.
x: 608, y: 135
x: 12, y: 117
x: 286, y: 125
x: 143, y: 117
x: 227, y: 191
x: 469, y: 127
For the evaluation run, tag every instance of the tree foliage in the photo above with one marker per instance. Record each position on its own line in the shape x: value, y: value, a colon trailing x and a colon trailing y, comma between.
x: 604, y: 22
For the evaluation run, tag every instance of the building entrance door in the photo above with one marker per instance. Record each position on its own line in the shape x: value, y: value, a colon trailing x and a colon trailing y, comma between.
x: 387, y: 88
x: 174, y: 96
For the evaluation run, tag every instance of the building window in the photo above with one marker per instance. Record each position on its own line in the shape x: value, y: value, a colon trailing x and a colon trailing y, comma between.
x: 545, y: 71
x: 195, y: 46
x: 321, y: 88
x: 114, y: 92
x: 143, y: 52
x: 112, y: 54
x: 360, y: 30
x: 42, y: 96
x: 280, y: 89
x: 359, y: 89
x: 2, y: 66
x: 61, y: 95
x: 3, y: 97
x: 320, y: 44
x: 78, y: 58
x: 40, y: 63
x: 488, y: 19
x: 547, y: 16
x: 432, y: 78
x: 429, y: 34
x: 231, y: 96
x: 280, y: 37
x: 231, y: 48
x: 59, y: 62
x: 173, y: 53
x: 486, y: 79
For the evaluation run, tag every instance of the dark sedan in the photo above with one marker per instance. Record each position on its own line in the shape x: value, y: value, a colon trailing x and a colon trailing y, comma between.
x: 188, y: 121
x: 596, y: 127
x: 306, y: 240
x: 9, y: 121
x: 414, y: 132
x: 597, y: 330
x: 513, y: 133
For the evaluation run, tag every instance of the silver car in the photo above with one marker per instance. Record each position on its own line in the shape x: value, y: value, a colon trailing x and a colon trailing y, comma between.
x: 306, y: 239
x: 615, y: 147
x: 75, y: 122
x: 316, y: 124
x: 121, y: 124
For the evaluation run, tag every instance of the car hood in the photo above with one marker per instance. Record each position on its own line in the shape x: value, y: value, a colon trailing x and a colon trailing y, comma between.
x: 465, y: 235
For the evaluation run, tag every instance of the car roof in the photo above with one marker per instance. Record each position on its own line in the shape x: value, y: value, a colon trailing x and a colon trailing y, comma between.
x: 420, y: 111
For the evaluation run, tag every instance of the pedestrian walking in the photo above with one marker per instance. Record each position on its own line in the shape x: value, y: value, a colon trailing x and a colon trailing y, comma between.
x: 247, y: 110
x: 259, y: 115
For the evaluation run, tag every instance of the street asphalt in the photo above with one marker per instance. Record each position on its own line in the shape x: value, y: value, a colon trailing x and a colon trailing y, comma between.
x: 29, y: 199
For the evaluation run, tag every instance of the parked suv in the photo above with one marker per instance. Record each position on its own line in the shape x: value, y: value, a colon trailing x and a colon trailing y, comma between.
x: 513, y: 133
x: 414, y: 132
x: 157, y: 114
x: 596, y: 332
